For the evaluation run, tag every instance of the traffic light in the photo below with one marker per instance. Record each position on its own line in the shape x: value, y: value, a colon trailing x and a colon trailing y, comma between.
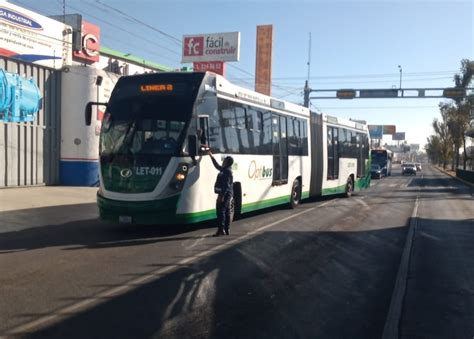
x: 346, y: 94
x: 454, y: 93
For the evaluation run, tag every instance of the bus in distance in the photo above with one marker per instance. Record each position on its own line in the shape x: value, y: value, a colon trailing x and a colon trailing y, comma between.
x: 153, y: 169
x: 383, y: 158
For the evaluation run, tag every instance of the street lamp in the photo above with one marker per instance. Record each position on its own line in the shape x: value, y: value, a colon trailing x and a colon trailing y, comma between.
x: 400, y: 68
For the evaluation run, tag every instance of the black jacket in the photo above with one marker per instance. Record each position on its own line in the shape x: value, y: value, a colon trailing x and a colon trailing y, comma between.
x: 224, y: 182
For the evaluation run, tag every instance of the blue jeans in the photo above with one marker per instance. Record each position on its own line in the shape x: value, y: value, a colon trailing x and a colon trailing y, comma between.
x: 223, y: 211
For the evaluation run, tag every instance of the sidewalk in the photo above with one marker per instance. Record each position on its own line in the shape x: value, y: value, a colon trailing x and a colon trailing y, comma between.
x: 22, y: 208
x: 453, y: 174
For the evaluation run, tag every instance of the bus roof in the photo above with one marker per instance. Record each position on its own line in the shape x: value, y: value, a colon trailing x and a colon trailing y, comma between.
x: 227, y: 89
x: 344, y: 122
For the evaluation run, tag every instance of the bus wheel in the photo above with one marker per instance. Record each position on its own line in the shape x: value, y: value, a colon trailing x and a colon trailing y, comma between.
x: 295, y: 197
x: 349, y: 187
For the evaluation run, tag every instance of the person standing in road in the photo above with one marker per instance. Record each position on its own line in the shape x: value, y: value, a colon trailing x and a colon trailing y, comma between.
x: 224, y: 190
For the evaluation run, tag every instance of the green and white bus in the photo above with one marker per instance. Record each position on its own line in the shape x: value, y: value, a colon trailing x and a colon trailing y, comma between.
x: 154, y: 170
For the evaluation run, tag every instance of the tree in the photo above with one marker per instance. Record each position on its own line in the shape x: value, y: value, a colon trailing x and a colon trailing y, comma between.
x: 442, y: 133
x: 458, y: 120
x: 433, y: 149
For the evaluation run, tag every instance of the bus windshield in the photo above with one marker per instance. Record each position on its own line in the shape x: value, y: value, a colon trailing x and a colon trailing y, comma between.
x: 380, y: 158
x: 138, y: 125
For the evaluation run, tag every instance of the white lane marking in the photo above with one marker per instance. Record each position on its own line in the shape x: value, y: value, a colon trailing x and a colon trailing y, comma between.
x: 363, y: 203
x: 194, y: 242
x: 391, y: 327
x: 393, y: 185
x: 135, y: 283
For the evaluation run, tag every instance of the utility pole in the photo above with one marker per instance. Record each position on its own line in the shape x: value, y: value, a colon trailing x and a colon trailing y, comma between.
x: 309, y: 58
x: 400, y: 88
x: 307, y: 90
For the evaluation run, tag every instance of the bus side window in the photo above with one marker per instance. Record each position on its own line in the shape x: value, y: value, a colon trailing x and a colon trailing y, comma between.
x: 266, y: 145
x: 304, y: 141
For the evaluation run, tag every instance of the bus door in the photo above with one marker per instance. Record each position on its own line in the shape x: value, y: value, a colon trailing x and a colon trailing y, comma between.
x: 280, y: 150
x: 333, y: 154
x: 360, y: 156
x: 203, y: 130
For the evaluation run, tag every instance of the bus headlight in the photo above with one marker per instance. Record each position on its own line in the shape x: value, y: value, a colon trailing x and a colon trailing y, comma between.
x: 180, y: 176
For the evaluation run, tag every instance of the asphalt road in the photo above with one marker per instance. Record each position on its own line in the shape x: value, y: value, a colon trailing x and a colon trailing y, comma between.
x: 329, y: 269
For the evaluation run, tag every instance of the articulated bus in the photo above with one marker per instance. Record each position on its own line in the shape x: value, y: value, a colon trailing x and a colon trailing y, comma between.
x: 383, y: 158
x: 154, y: 170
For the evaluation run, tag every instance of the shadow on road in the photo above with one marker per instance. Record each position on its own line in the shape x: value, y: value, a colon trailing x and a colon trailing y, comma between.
x: 46, y: 229
x: 259, y: 288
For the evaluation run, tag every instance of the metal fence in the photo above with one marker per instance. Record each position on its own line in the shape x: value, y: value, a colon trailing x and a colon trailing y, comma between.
x: 29, y: 151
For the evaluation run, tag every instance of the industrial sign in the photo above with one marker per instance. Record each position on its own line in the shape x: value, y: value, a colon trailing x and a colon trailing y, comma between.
x: 211, y: 47
x: 399, y: 136
x: 375, y: 131
x: 212, y: 66
x: 90, y: 43
x: 31, y: 37
x: 263, y: 65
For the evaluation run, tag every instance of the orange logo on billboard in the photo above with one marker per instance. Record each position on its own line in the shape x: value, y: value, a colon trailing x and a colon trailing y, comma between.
x: 90, y: 44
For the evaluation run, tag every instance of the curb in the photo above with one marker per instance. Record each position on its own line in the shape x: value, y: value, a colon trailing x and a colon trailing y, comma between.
x: 470, y: 184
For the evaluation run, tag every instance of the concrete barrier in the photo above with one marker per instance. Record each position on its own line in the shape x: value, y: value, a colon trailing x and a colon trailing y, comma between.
x: 465, y: 175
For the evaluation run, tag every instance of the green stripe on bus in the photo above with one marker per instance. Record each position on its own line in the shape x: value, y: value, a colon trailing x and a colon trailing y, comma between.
x: 334, y: 190
x: 211, y: 214
x: 196, y: 216
x: 305, y: 195
x: 265, y: 203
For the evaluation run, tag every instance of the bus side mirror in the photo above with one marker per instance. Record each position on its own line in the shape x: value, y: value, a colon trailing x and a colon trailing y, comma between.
x: 192, y: 145
x: 88, y: 113
x: 88, y: 110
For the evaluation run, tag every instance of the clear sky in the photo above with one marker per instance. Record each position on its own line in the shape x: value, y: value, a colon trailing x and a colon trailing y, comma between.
x: 355, y: 44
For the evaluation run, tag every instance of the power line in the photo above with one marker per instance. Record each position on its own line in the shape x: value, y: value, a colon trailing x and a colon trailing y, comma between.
x: 175, y: 52
x: 174, y: 39
x: 380, y: 107
x: 367, y: 76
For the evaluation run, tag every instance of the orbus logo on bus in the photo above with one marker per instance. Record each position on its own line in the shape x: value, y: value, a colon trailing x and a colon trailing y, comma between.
x: 259, y: 172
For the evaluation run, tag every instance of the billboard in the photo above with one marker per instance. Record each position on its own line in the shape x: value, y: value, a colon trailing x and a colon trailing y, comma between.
x: 211, y: 47
x: 90, y: 43
x: 263, y: 64
x: 213, y: 66
x: 389, y: 129
x: 375, y: 131
x: 399, y: 136
x: 31, y: 37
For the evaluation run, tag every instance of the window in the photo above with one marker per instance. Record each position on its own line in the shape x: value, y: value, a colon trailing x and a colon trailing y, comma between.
x: 245, y: 129
x: 266, y: 135
x: 293, y: 136
x: 240, y: 116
